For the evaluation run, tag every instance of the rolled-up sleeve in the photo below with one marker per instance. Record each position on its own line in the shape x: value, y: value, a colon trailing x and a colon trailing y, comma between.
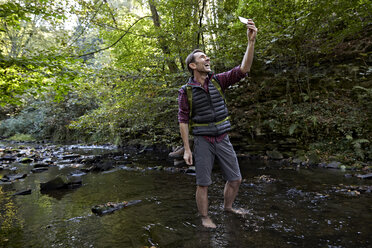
x: 230, y: 77
x: 183, y: 107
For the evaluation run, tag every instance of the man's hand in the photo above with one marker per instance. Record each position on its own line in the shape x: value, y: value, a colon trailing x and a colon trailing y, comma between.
x: 251, y: 30
x: 187, y: 156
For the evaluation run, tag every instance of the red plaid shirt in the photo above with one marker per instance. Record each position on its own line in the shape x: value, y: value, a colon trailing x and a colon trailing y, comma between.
x: 225, y: 79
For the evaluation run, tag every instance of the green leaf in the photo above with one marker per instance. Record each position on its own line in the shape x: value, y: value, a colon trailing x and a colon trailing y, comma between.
x: 292, y: 128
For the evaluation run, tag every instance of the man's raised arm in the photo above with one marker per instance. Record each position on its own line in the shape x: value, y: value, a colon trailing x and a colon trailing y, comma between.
x: 248, y: 56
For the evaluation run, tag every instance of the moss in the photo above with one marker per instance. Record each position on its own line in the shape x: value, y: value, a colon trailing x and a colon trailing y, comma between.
x: 22, y: 137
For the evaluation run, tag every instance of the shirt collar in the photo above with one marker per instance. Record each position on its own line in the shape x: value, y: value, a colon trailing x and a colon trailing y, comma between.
x: 193, y: 82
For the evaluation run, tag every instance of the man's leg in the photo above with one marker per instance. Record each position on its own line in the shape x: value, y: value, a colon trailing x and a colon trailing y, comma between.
x: 202, y: 203
x: 230, y: 192
x: 204, y: 159
x: 230, y: 167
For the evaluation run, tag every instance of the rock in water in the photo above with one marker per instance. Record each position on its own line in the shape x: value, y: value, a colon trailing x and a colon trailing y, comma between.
x: 71, y: 156
x: 7, y: 158
x: 60, y: 183
x: 333, y: 165
x: 23, y: 192
x: 11, y: 178
x: 40, y: 165
x: 56, y: 183
x: 26, y: 160
x: 112, y: 206
x: 274, y: 155
x: 39, y: 169
x: 73, y: 183
x: 365, y: 176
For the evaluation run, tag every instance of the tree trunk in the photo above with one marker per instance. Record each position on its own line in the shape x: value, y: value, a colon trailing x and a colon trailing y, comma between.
x: 200, y: 32
x: 162, y: 41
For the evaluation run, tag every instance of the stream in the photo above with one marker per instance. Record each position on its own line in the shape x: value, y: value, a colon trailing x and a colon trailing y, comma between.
x: 286, y: 206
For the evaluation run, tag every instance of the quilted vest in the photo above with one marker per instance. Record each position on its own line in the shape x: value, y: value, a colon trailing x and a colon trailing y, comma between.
x: 209, y: 114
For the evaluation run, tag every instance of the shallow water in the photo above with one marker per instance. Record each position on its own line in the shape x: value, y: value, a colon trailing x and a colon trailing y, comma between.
x: 284, y: 208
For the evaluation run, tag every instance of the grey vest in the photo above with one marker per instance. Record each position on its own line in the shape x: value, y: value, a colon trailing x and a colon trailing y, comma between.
x: 209, y: 114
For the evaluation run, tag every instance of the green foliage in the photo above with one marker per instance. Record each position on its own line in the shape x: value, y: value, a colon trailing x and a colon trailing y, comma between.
x: 22, y: 137
x: 48, y: 119
x: 114, y: 75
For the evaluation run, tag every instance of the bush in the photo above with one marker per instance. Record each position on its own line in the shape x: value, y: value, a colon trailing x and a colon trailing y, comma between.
x: 47, y: 119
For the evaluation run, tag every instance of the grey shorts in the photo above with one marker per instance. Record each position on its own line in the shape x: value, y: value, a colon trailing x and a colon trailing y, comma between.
x: 206, y: 152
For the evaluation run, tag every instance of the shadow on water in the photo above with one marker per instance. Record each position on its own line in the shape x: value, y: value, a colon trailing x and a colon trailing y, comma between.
x: 284, y: 208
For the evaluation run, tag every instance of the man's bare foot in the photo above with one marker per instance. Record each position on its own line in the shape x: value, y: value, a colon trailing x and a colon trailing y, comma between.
x: 207, y: 222
x: 239, y: 211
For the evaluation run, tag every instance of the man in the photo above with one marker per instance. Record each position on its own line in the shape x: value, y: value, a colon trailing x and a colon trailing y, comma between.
x: 209, y: 123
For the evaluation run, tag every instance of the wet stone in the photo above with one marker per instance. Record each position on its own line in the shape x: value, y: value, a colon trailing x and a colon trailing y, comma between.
x: 333, y: 165
x: 297, y: 161
x: 353, y: 190
x: 56, y: 183
x: 48, y: 160
x: 40, y: 165
x: 158, y: 168
x: 7, y: 158
x: 61, y: 162
x: 179, y: 162
x: 172, y: 169
x: 71, y: 156
x: 265, y: 179
x: 13, y: 177
x: 23, y: 192
x: 274, y: 155
x: 127, y: 168
x: 190, y: 170
x: 59, y: 183
x: 112, y: 207
x: 39, y: 169
x: 26, y: 160
x: 91, y: 159
x: 103, y: 166
x: 77, y: 173
x: 365, y: 176
x: 73, y: 183
x: 322, y: 165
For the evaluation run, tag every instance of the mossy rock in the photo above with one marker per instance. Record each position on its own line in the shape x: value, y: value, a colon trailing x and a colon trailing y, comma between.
x: 26, y: 160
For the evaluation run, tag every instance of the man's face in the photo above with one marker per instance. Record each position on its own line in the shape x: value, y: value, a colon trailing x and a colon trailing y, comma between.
x: 202, y: 63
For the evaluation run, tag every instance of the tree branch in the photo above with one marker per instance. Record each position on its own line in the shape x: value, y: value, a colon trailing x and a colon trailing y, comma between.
x: 112, y: 14
x: 113, y: 44
x: 84, y: 28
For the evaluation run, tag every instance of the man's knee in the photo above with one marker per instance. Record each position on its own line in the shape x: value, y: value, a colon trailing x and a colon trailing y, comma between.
x: 235, y: 183
x: 201, y: 187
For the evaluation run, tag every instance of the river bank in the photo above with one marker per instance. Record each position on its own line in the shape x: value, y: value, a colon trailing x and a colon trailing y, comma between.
x: 53, y: 152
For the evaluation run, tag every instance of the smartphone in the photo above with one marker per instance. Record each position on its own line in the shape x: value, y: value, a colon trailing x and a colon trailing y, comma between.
x: 243, y: 20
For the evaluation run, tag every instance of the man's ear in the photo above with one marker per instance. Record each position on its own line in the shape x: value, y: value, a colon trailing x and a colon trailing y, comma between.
x: 192, y: 66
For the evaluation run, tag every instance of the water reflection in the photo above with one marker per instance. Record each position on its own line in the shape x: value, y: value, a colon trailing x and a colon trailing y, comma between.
x: 11, y: 223
x: 284, y: 208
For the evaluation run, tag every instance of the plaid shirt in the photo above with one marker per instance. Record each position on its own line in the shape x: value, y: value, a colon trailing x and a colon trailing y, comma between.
x: 225, y: 79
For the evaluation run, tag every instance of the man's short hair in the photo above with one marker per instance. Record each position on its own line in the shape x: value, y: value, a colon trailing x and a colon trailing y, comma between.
x: 191, y: 59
